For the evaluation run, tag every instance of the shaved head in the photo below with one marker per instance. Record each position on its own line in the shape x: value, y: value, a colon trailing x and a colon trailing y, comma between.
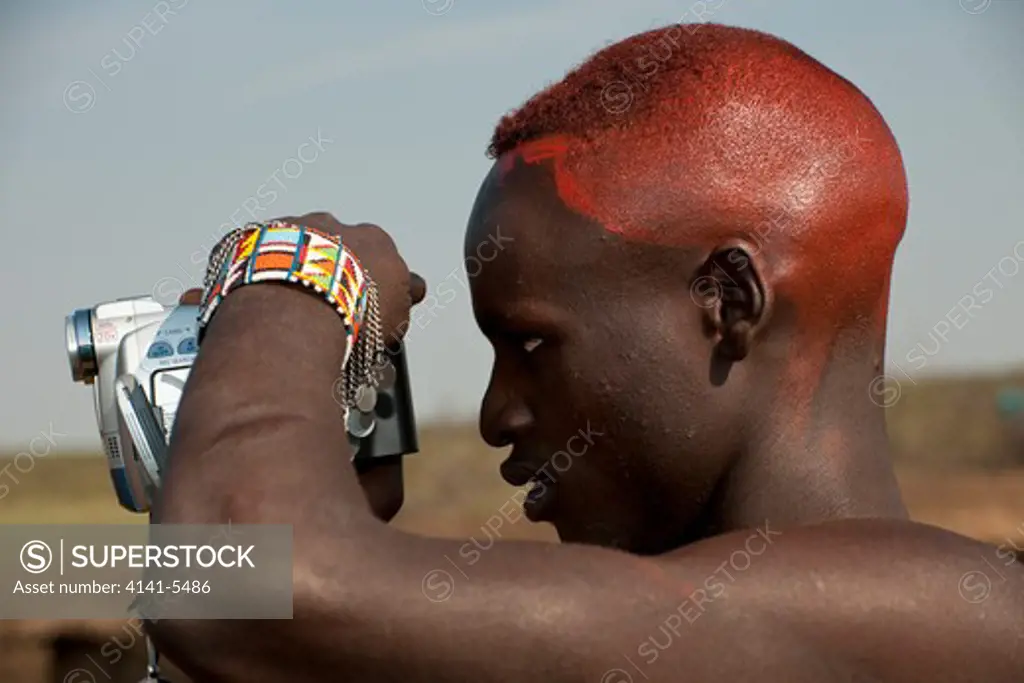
x: 734, y: 134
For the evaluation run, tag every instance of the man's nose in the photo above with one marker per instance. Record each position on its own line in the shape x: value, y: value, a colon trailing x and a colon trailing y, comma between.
x: 503, y: 417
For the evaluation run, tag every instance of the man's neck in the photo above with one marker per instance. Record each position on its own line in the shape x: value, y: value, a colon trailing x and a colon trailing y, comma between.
x: 805, y: 485
x: 838, y: 467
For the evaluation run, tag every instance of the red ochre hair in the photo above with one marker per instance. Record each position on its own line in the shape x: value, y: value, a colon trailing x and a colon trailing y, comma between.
x: 725, y: 128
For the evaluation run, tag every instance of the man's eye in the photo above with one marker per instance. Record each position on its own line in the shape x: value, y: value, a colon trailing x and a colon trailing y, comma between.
x: 532, y: 343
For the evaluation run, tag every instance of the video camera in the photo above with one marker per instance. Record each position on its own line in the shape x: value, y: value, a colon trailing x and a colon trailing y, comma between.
x: 137, y: 353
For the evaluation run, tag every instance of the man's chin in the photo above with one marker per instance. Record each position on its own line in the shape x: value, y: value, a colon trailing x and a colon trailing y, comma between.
x: 590, y: 534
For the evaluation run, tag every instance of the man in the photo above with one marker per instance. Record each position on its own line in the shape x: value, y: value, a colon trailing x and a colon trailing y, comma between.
x: 688, y: 301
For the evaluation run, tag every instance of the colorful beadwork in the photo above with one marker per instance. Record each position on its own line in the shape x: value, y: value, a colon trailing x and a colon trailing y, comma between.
x: 268, y: 252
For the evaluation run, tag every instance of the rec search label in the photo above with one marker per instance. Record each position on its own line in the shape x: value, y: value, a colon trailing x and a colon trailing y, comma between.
x: 166, y: 571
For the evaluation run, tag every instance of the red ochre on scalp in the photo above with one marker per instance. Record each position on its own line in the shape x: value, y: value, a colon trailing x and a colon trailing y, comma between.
x: 730, y: 124
x: 555, y: 149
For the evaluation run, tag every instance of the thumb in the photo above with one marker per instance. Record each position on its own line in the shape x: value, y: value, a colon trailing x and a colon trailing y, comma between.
x: 417, y: 288
x: 191, y: 297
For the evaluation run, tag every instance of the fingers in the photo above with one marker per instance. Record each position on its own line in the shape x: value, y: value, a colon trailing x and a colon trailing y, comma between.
x: 318, y: 220
x: 417, y: 288
x: 191, y: 297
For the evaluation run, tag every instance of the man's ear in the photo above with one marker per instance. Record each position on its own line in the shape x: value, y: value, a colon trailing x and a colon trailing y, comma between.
x: 729, y: 287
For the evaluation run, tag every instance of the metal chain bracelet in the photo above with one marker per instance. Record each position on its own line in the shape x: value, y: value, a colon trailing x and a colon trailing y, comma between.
x: 368, y: 356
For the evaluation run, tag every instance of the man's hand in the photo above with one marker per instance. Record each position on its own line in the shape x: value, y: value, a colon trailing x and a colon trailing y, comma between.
x: 399, y: 289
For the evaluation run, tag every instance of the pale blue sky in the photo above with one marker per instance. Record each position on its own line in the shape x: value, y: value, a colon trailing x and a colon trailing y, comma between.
x: 171, y: 137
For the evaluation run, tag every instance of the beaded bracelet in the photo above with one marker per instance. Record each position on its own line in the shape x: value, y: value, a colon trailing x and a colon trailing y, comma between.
x: 287, y: 253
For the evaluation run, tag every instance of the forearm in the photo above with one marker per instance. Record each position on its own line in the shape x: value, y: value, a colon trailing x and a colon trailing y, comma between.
x: 258, y: 416
x: 259, y: 439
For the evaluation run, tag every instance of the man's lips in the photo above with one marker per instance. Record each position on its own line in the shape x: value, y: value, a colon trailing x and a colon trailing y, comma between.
x: 515, y: 473
x: 521, y: 472
x: 538, y: 504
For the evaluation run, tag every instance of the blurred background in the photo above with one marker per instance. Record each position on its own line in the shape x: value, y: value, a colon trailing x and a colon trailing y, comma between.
x: 136, y: 132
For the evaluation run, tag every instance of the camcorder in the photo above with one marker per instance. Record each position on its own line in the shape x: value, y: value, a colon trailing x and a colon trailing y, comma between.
x: 137, y: 353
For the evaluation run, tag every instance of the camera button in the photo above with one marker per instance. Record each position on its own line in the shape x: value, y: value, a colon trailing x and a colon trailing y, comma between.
x: 160, y: 350
x: 188, y: 346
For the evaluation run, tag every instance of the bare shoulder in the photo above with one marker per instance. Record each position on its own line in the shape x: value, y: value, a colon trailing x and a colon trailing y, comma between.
x: 889, y: 600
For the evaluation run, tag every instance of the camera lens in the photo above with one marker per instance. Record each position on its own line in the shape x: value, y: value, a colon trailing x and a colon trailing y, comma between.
x: 81, y: 351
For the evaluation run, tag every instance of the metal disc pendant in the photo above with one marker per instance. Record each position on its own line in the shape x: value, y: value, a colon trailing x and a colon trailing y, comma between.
x: 386, y: 375
x: 366, y: 398
x: 361, y: 425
